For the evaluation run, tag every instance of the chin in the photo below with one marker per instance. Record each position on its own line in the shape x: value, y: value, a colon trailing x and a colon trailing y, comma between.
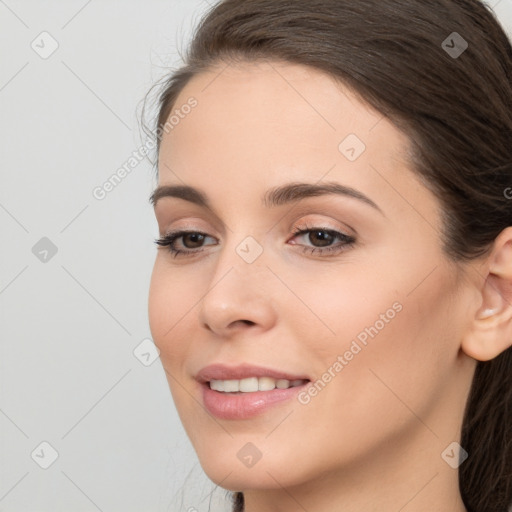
x: 230, y: 466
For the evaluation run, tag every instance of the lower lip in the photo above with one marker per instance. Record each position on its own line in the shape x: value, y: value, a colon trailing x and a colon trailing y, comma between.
x: 239, y: 406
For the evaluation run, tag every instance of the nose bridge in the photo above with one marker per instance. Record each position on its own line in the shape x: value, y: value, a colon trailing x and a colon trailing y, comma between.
x: 237, y: 288
x: 241, y: 263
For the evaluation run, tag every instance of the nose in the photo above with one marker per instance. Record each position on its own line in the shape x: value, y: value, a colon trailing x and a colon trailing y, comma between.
x: 238, y: 298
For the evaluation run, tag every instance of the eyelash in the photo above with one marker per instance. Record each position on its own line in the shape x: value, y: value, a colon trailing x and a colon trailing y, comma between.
x: 347, y: 241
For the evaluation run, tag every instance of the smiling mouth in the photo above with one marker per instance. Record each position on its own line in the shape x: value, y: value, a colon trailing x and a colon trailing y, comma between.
x: 253, y: 384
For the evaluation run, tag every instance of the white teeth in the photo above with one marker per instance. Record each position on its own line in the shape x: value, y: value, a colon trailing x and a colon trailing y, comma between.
x: 248, y: 385
x: 266, y: 384
x: 231, y: 385
x: 252, y: 384
x: 282, y: 384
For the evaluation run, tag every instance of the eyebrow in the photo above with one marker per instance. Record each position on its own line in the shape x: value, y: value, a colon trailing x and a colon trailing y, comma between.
x: 277, y: 196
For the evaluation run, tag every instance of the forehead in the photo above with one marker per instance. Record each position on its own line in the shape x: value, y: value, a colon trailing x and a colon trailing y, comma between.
x: 277, y: 93
x: 276, y: 109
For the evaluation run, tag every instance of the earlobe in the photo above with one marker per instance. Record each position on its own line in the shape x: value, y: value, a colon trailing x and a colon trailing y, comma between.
x: 490, y: 332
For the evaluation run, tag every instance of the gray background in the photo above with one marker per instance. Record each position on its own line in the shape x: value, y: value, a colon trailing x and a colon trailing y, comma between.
x: 71, y: 321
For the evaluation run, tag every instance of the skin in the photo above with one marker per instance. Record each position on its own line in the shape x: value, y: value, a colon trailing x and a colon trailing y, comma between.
x: 372, y: 439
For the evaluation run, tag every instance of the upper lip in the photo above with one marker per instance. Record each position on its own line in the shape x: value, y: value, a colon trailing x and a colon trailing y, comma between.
x: 242, y: 371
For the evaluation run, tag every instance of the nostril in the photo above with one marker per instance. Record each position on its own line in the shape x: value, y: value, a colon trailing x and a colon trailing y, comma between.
x: 246, y: 322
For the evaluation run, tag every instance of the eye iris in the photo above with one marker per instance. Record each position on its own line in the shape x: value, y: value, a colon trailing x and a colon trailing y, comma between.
x: 325, y: 237
x: 195, y: 237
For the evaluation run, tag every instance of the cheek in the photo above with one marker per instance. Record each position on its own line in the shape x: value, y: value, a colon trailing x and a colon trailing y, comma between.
x: 339, y: 307
x: 158, y: 305
x: 169, y: 304
x: 386, y: 344
x: 398, y: 349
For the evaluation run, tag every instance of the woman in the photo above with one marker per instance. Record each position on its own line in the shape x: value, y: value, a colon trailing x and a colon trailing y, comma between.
x: 332, y: 295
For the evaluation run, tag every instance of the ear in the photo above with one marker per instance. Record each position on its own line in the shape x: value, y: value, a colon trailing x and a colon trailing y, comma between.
x: 490, y: 332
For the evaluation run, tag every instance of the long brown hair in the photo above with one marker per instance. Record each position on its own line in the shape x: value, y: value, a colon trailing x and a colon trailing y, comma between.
x: 440, y: 70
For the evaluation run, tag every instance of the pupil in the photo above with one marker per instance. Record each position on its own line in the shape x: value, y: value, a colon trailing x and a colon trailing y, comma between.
x: 325, y: 238
x: 192, y: 236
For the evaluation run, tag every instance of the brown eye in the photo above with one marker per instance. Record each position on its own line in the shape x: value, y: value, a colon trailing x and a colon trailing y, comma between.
x: 322, y: 240
x: 194, y: 239
x: 321, y: 237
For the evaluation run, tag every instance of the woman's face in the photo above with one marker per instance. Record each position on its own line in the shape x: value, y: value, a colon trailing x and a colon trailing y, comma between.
x: 365, y: 305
